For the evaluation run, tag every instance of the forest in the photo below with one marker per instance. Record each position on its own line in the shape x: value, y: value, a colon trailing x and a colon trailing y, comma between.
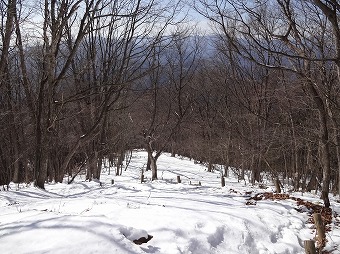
x: 82, y: 81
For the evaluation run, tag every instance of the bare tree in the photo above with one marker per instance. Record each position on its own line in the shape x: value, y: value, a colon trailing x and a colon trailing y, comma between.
x: 295, y: 32
x: 168, y: 100
x: 117, y: 60
x: 82, y: 67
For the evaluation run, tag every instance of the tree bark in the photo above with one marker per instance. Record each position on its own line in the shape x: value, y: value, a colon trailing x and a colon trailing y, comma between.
x: 153, y: 167
x: 309, y: 247
x: 5, y: 43
x: 277, y: 185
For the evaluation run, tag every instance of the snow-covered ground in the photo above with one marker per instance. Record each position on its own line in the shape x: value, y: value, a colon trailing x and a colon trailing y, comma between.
x: 88, y: 217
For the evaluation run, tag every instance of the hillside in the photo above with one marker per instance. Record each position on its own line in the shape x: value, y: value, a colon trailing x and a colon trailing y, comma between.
x: 92, y: 217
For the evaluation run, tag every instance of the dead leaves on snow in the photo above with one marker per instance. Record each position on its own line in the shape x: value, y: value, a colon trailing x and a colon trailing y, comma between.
x: 326, y: 213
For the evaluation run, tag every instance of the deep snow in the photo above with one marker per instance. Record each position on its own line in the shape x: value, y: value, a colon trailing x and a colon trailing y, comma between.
x: 88, y: 217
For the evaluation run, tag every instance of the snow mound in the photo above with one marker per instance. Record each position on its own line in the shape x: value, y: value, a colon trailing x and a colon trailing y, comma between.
x: 133, y: 233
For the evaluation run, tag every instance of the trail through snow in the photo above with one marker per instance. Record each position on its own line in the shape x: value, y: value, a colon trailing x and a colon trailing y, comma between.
x: 85, y: 217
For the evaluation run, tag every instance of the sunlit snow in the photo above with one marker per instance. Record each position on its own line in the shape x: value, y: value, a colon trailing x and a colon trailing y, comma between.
x: 89, y: 217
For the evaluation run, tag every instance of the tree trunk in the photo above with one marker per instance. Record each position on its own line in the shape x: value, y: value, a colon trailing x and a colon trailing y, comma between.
x: 42, y: 173
x: 100, y: 166
x: 148, y: 164
x: 328, y: 11
x: 309, y: 247
x: 277, y: 185
x: 151, y: 157
x: 119, y: 165
x: 153, y: 164
x: 39, y: 134
x: 253, y: 170
x: 210, y: 167
x: 336, y: 140
x: 325, y: 158
x: 6, y: 37
x: 96, y: 166
x: 92, y: 167
x: 226, y: 171
x: 256, y: 175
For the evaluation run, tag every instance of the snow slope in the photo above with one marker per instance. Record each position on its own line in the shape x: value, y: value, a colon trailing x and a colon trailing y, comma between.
x: 86, y: 217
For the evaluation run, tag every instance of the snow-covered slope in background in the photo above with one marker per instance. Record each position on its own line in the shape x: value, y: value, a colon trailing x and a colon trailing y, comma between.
x: 88, y: 217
